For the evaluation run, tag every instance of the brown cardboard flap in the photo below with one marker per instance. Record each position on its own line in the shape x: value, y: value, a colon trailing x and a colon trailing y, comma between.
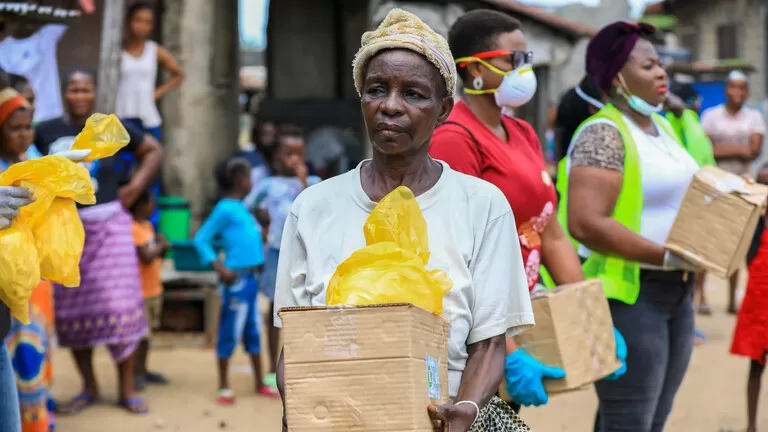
x: 728, y: 183
x: 335, y: 307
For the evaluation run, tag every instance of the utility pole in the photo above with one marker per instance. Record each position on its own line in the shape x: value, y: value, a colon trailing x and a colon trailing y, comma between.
x: 109, y: 55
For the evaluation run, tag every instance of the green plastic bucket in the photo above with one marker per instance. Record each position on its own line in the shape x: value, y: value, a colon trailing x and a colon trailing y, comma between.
x: 174, y: 218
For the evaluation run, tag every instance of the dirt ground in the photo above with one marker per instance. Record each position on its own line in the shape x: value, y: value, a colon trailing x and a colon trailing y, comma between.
x: 712, y: 397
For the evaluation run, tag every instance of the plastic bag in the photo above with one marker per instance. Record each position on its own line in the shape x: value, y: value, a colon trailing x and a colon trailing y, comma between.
x: 392, y: 267
x: 60, y: 238
x: 19, y: 272
x: 103, y: 134
x: 20, y: 267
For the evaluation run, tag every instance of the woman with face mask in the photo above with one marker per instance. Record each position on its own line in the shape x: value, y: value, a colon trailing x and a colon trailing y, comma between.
x: 624, y: 180
x: 479, y: 140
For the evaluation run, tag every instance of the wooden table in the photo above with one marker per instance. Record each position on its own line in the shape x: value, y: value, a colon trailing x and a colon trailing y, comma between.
x: 189, y: 287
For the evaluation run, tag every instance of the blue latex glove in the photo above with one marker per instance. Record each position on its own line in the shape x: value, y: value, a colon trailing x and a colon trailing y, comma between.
x: 524, y: 378
x: 621, y: 354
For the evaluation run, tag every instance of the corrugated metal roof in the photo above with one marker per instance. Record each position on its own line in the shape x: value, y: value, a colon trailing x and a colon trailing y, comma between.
x: 564, y: 25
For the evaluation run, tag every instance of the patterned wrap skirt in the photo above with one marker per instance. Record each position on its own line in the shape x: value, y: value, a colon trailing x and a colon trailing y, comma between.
x: 107, y: 308
x: 497, y: 416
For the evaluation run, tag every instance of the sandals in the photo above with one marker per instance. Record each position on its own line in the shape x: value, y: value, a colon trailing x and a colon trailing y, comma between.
x: 134, y: 405
x: 78, y: 404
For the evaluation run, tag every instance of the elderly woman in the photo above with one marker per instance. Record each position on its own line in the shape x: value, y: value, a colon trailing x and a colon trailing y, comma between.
x: 627, y: 176
x: 405, y: 75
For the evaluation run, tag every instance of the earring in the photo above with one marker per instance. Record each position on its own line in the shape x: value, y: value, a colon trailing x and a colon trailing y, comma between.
x: 477, y: 83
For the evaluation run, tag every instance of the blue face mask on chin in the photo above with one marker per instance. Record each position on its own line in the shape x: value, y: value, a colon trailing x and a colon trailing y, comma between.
x: 641, y: 106
x: 638, y: 104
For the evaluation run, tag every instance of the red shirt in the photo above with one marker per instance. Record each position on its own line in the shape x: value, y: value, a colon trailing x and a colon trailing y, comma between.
x: 516, y: 167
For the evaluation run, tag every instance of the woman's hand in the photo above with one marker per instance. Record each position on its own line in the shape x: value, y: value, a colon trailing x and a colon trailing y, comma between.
x: 525, y: 377
x: 453, y: 418
x: 11, y: 199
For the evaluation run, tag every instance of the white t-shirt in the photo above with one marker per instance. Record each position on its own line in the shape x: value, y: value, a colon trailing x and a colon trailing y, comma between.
x: 733, y: 129
x: 666, y: 169
x: 472, y: 236
x: 35, y: 59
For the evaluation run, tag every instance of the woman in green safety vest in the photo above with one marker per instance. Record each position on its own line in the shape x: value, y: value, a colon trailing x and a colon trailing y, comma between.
x: 621, y: 186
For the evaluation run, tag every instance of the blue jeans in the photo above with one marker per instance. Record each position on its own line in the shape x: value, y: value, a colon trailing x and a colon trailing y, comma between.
x: 659, y: 330
x: 10, y: 416
x: 239, y: 319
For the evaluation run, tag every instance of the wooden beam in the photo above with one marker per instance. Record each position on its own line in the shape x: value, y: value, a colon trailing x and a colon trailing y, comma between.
x: 109, y: 55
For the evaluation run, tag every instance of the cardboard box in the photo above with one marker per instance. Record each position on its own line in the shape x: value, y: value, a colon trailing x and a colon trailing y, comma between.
x: 716, y: 221
x: 366, y: 368
x: 574, y: 331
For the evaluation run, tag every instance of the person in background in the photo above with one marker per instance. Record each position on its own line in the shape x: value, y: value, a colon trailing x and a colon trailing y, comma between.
x: 31, y: 53
x: 137, y: 94
x: 625, y: 178
x: 737, y: 133
x: 110, y: 288
x: 264, y: 138
x: 238, y: 282
x: 151, y: 247
x: 478, y: 140
x: 750, y: 338
x: 576, y: 105
x: 29, y: 345
x: 26, y: 350
x: 22, y: 85
x: 273, y: 198
x: 406, y: 78
x: 684, y: 118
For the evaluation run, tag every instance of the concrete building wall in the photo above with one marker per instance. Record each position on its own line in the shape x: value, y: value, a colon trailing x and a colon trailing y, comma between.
x: 201, y: 117
x: 749, y: 14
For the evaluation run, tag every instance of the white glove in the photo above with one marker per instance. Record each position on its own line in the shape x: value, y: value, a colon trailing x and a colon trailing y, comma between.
x: 672, y: 261
x: 74, y: 155
x: 63, y: 147
x: 11, y: 198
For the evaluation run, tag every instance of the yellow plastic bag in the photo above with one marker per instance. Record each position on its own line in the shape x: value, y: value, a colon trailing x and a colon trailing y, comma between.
x: 60, y: 238
x: 392, y: 267
x: 103, y: 134
x: 20, y: 267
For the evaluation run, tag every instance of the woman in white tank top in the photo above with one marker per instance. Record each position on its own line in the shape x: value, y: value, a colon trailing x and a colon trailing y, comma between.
x: 139, y: 61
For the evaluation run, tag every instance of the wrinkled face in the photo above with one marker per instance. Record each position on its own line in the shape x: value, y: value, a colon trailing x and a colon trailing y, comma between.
x: 17, y: 133
x: 403, y: 100
x: 644, y: 75
x: 142, y: 23
x: 80, y: 95
x: 737, y: 92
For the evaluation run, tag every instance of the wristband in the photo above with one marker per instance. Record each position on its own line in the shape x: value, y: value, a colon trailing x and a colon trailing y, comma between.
x: 469, y: 402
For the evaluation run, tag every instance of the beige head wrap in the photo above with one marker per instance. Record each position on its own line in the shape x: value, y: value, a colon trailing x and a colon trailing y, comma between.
x: 401, y: 29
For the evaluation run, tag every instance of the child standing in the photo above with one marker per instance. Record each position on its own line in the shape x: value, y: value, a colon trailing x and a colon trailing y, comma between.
x: 273, y: 198
x: 233, y: 224
x: 750, y: 338
x: 150, y: 248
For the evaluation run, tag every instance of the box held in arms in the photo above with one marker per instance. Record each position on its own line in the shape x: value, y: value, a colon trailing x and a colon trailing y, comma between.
x: 574, y: 331
x: 363, y: 368
x: 716, y: 221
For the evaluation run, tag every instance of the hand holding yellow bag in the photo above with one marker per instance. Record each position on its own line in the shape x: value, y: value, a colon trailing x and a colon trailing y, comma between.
x: 392, y: 267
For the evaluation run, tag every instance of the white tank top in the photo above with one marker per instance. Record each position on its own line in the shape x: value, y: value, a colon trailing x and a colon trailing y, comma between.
x: 135, y: 94
x: 666, y: 169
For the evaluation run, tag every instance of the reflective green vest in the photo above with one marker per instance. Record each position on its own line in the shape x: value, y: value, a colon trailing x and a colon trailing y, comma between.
x: 620, y: 278
x: 693, y: 137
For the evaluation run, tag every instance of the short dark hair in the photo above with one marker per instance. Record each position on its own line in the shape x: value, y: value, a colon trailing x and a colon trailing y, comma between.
x: 288, y: 130
x: 144, y: 198
x: 90, y: 73
x: 573, y: 111
x: 684, y: 91
x: 228, y: 170
x: 137, y: 6
x: 476, y: 31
